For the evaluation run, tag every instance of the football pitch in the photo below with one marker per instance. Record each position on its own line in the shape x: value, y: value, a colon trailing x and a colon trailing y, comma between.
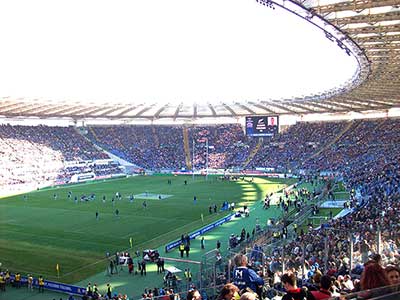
x: 46, y: 227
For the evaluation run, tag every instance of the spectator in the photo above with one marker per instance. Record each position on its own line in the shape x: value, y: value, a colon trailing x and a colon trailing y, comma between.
x: 229, y: 292
x: 244, y: 277
x: 325, y: 287
x: 373, y: 277
x: 193, y: 294
x: 393, y: 274
x: 292, y: 291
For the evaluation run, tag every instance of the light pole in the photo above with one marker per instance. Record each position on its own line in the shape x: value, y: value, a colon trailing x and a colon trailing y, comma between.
x: 207, y: 159
x: 193, y: 162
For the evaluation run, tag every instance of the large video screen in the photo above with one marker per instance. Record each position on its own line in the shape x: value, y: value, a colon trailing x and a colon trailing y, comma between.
x: 262, y: 125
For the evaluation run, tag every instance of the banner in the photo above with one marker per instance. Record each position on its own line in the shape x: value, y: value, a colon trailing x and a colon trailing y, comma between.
x: 55, y: 286
x: 201, y: 231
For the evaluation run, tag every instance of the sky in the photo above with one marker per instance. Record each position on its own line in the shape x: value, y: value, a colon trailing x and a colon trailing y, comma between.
x: 164, y: 51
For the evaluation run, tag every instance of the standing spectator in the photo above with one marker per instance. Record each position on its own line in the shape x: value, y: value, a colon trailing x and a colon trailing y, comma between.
x: 30, y: 282
x: 143, y: 268
x: 187, y: 249
x: 41, y: 284
x: 243, y: 277
x: 218, y: 244
x: 181, y: 249
x: 109, y: 291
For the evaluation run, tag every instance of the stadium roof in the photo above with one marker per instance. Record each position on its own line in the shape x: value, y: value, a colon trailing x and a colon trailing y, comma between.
x: 368, y: 30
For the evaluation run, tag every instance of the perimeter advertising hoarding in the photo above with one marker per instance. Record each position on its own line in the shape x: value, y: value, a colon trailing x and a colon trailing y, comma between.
x: 262, y: 125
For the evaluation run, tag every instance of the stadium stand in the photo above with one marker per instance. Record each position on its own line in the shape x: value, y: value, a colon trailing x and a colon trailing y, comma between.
x: 289, y: 149
x: 364, y: 154
x: 150, y: 147
x: 228, y: 146
x: 41, y: 154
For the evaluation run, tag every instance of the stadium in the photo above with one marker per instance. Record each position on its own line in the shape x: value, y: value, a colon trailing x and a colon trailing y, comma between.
x: 241, y: 149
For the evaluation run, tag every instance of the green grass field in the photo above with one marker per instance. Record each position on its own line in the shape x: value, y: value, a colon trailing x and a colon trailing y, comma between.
x: 39, y: 232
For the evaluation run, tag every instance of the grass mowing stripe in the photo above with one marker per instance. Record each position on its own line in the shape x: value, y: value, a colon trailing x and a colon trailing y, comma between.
x: 61, y: 231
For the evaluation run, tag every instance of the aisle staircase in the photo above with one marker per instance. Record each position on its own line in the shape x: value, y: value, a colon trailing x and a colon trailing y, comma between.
x: 93, y: 133
x: 155, y: 135
x: 253, y: 153
x: 337, y: 138
x: 186, y: 147
x: 97, y: 144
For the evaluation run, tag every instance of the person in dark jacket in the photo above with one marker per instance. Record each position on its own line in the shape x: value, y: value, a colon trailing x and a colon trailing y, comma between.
x: 292, y: 291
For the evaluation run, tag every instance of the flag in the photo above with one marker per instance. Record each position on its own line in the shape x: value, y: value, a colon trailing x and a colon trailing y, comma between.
x: 58, y: 270
x: 202, y: 218
x: 131, y: 242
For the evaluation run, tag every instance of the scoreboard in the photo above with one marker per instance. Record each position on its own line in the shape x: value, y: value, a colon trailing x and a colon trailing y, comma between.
x: 262, y: 125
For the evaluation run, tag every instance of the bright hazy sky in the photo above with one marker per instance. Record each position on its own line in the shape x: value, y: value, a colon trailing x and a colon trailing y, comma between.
x: 162, y: 50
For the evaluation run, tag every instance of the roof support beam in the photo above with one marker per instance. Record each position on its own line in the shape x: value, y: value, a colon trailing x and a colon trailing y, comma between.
x: 159, y: 111
x: 373, y: 102
x: 229, y: 109
x: 263, y: 107
x: 178, y: 108
x: 355, y: 5
x: 370, y: 19
x: 194, y: 111
x: 378, y: 38
x: 247, y: 108
x: 143, y: 110
x: 212, y: 110
x: 326, y: 107
x: 301, y: 106
x: 130, y: 108
x: 374, y: 29
x: 55, y: 110
x: 281, y: 107
x: 33, y: 109
x: 13, y: 107
x: 337, y: 103
x: 110, y: 110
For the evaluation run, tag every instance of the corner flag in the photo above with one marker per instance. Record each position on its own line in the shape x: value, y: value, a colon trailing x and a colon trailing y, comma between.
x: 58, y: 270
x: 131, y: 242
x: 202, y: 218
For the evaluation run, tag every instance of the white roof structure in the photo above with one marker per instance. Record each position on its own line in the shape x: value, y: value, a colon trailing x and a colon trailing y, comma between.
x: 366, y: 30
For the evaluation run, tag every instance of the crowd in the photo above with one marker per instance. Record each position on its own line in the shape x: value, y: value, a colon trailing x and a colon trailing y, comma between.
x: 298, y: 143
x: 227, y: 146
x: 150, y: 147
x: 109, y: 168
x: 36, y: 154
x: 162, y: 147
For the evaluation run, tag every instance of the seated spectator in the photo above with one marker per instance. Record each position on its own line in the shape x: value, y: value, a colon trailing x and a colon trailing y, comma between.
x: 229, y: 292
x: 248, y: 296
x: 393, y: 274
x: 193, y: 294
x: 325, y: 288
x: 373, y: 277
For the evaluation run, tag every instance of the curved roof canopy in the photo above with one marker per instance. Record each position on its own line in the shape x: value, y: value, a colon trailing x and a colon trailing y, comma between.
x: 169, y: 59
